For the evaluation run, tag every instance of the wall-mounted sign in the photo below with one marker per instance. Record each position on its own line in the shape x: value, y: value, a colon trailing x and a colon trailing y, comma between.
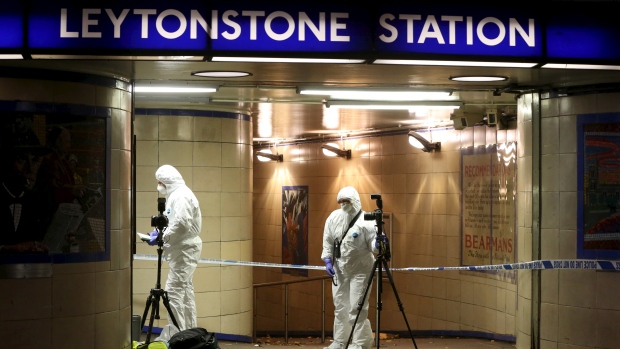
x: 413, y: 30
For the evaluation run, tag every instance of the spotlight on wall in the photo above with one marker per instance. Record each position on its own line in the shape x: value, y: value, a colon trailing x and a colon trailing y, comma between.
x: 332, y: 149
x: 265, y: 155
x: 418, y: 141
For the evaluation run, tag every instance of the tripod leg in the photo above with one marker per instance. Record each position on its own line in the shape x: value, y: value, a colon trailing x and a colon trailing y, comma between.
x: 360, y: 304
x: 146, y: 311
x: 400, y: 304
x: 170, y: 314
x: 152, y: 319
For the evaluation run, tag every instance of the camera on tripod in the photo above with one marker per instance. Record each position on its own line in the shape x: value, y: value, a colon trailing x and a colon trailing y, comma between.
x: 160, y: 221
x: 377, y: 215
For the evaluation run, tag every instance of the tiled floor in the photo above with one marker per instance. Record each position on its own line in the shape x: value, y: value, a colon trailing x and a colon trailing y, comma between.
x: 403, y: 343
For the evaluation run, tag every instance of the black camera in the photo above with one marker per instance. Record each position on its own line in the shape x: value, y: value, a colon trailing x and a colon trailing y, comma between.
x: 378, y: 213
x: 160, y: 221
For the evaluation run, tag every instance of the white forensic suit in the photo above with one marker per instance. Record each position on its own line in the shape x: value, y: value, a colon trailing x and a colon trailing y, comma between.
x: 182, y: 247
x: 351, y: 270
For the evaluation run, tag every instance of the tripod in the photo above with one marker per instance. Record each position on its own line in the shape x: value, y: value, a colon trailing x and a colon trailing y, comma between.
x: 157, y: 293
x: 381, y: 263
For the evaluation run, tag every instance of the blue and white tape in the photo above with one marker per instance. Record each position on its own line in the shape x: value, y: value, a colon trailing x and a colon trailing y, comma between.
x: 590, y: 264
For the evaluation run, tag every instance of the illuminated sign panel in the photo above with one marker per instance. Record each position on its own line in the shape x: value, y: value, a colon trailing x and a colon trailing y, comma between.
x: 135, y: 25
x: 458, y: 30
x: 266, y: 27
x: 584, y: 35
x: 11, y: 25
x: 409, y: 30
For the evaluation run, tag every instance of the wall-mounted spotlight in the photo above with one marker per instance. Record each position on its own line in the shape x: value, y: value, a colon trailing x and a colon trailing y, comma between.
x: 265, y: 155
x: 418, y: 141
x: 331, y: 149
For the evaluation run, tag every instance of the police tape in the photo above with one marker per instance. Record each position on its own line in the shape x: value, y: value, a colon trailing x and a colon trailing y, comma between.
x: 587, y: 264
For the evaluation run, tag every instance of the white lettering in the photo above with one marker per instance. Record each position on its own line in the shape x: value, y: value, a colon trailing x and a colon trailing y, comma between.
x: 513, y: 26
x: 500, y: 36
x: 287, y: 34
x: 304, y: 21
x: 410, y: 19
x: 253, y: 15
x: 470, y: 31
x: 117, y: 21
x: 383, y: 23
x: 87, y: 22
x: 435, y: 33
x: 335, y: 26
x: 175, y: 34
x: 144, y: 31
x: 63, y: 26
x: 452, y: 27
x: 237, y: 28
x: 196, y: 18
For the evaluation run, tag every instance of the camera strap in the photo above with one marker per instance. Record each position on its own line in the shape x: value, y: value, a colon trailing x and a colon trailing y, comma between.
x: 351, y: 224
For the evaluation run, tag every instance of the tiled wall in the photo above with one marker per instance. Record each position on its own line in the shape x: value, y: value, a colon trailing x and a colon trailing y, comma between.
x: 82, y: 304
x: 213, y: 153
x: 422, y: 190
x: 579, y: 307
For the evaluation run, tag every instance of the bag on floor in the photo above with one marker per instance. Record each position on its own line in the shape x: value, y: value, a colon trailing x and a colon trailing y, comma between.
x: 193, y: 338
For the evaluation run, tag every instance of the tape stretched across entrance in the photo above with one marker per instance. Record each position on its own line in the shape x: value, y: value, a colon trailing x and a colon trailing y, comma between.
x: 591, y: 264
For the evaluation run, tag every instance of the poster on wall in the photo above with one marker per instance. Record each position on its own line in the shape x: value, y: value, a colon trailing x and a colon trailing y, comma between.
x: 53, y: 188
x: 598, y: 157
x: 488, y: 204
x: 295, y: 228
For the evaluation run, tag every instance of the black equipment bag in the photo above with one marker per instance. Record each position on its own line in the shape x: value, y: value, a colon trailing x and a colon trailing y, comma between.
x: 193, y: 338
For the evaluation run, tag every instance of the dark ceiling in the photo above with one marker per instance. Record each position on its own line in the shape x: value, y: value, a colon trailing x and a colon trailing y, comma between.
x: 279, y: 113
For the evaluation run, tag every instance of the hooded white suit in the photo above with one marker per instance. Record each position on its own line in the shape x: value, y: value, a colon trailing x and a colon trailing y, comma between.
x: 182, y: 245
x: 352, y: 270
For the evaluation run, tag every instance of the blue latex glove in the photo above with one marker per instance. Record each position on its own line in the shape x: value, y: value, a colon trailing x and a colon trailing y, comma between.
x: 380, y: 239
x: 153, y: 236
x: 329, y: 268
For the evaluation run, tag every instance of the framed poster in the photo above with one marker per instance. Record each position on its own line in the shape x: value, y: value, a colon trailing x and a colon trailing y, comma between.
x: 53, y: 193
x: 598, y: 164
x: 488, y: 225
x: 295, y: 228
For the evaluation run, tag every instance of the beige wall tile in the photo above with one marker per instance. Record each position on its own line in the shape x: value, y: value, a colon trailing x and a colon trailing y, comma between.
x: 576, y: 325
x: 207, y: 154
x: 207, y: 129
x: 176, y: 153
x: 146, y: 128
x: 81, y: 329
x: 175, y: 128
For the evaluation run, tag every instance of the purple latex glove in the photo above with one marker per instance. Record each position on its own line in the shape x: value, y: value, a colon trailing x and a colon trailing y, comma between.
x: 153, y: 236
x: 329, y: 268
x: 380, y: 239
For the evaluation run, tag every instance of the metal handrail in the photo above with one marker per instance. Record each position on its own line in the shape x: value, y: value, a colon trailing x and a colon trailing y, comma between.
x: 286, y: 283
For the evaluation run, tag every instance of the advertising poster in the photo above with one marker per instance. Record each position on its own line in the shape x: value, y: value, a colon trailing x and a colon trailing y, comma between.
x: 598, y: 156
x: 489, y: 205
x: 295, y: 228
x: 53, y: 188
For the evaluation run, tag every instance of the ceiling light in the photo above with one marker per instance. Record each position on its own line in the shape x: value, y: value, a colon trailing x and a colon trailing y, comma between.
x: 332, y: 149
x: 418, y: 141
x: 11, y: 56
x: 456, y: 63
x: 376, y: 94
x: 124, y: 58
x: 581, y: 66
x: 284, y: 60
x: 221, y: 74
x: 393, y: 105
x: 171, y: 88
x: 478, y: 78
x: 265, y: 155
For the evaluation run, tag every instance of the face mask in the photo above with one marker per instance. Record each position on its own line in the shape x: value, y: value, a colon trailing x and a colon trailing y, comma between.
x: 348, y: 208
x: 161, y: 189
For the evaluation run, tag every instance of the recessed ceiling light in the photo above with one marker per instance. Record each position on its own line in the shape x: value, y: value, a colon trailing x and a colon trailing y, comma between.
x: 221, y: 74
x: 478, y: 78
